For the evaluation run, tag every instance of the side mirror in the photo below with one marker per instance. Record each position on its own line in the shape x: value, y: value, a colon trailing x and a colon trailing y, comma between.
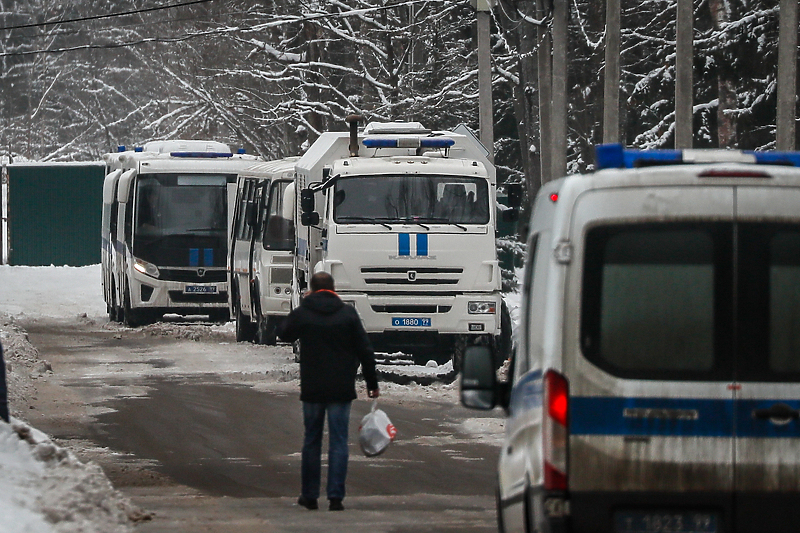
x: 478, y: 379
x: 515, y: 192
x: 307, y: 200
x: 309, y: 219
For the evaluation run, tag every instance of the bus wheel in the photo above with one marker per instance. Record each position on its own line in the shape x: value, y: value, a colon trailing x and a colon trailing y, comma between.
x: 245, y: 330
x: 114, y: 311
x: 131, y: 317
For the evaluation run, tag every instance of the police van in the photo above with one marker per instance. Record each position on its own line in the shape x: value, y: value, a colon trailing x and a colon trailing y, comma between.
x: 656, y: 382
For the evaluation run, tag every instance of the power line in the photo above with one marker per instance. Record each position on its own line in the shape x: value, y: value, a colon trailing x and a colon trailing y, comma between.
x: 278, y: 21
x: 99, y: 17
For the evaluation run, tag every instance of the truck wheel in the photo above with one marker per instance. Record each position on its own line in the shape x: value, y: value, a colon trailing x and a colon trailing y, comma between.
x: 459, y: 347
x: 503, y: 345
x: 267, y: 331
x: 296, y: 351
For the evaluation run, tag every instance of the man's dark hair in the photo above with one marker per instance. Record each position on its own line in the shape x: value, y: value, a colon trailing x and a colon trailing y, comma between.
x: 321, y: 281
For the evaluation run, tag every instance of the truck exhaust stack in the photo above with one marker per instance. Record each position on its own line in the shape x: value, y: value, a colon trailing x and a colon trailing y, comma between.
x: 353, y: 121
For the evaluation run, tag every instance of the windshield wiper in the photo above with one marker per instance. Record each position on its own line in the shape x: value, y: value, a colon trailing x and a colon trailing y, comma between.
x: 364, y: 219
x: 413, y: 220
x: 442, y: 220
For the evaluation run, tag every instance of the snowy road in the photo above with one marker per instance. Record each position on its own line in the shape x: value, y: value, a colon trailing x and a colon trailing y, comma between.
x: 176, y: 414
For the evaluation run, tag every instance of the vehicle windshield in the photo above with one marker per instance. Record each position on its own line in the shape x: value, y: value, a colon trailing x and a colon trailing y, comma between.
x: 414, y: 199
x: 181, y: 219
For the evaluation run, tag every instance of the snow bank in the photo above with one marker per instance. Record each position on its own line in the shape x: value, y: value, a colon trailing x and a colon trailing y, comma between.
x: 43, y: 487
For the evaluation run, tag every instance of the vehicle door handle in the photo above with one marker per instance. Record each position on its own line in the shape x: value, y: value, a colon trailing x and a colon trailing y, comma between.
x: 779, y: 413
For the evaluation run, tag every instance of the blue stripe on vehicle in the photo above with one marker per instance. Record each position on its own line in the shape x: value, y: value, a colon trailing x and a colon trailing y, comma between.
x: 403, y: 244
x: 208, y: 257
x: 606, y: 416
x: 422, y: 244
x: 715, y: 418
x: 194, y: 257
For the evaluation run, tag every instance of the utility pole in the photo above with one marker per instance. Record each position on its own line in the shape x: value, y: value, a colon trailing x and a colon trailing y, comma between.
x: 684, y: 57
x: 545, y: 73
x: 612, y: 73
x: 787, y: 75
x: 560, y: 39
x: 485, y: 107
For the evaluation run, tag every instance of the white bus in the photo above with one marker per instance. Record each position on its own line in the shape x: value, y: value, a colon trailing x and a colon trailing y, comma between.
x: 262, y: 249
x: 164, y: 230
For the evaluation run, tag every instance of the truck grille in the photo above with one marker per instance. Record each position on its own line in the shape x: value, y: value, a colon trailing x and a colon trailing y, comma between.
x: 423, y: 309
x: 409, y: 276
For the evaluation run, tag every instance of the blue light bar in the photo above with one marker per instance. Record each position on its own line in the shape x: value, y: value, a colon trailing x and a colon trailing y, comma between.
x: 777, y: 158
x: 121, y: 148
x: 380, y: 143
x: 436, y: 142
x: 206, y: 155
x: 615, y: 156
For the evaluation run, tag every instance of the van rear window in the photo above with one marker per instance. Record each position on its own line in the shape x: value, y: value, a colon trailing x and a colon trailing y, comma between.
x: 699, y: 301
x: 649, y: 299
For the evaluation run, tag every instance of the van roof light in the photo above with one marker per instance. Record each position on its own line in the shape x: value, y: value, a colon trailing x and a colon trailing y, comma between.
x: 616, y: 156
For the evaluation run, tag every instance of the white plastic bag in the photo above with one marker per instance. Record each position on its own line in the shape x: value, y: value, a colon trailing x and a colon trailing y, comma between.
x: 376, y: 432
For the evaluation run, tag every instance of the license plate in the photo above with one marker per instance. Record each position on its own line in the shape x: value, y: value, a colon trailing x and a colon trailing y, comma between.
x: 200, y: 289
x: 411, y: 322
x: 664, y: 522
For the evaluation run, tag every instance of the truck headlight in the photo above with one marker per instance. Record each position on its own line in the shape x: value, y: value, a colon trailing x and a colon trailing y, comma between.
x: 482, y: 308
x: 146, y: 268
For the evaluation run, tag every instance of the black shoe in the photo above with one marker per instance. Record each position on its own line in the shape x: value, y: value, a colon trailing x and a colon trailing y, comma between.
x: 308, y: 503
x: 335, y: 505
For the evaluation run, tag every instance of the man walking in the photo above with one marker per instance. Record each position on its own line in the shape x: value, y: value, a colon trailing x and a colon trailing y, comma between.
x: 332, y: 345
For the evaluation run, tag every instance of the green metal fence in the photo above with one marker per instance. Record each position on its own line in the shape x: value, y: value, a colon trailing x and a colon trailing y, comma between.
x: 54, y: 213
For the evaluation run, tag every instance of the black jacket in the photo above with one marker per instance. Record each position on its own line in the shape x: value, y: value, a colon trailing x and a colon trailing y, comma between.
x: 332, y: 345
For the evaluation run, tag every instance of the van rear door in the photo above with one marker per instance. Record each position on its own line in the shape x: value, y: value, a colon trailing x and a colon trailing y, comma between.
x: 767, y: 450
x: 651, y: 403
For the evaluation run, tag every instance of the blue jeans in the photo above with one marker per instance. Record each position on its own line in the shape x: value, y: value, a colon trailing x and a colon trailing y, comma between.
x: 338, y: 422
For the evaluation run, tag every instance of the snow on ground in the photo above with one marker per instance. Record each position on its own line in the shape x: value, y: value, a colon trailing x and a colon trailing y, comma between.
x: 45, y: 488
x: 51, y: 291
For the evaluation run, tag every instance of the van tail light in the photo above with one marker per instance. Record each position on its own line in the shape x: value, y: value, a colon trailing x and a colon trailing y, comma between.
x: 555, y: 431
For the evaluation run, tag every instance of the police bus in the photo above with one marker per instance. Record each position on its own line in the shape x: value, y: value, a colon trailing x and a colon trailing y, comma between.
x: 164, y: 231
x: 261, y: 249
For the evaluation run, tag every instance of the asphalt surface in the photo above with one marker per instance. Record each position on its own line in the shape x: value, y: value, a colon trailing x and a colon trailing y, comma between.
x: 207, y: 451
